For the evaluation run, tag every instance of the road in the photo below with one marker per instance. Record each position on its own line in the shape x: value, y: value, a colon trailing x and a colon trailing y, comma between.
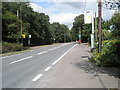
x: 26, y: 70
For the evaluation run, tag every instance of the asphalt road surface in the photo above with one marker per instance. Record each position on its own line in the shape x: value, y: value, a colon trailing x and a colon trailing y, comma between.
x: 25, y: 70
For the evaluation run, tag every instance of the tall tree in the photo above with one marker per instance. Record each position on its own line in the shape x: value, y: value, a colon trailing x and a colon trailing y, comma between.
x: 115, y: 23
x: 60, y: 32
x: 79, y: 28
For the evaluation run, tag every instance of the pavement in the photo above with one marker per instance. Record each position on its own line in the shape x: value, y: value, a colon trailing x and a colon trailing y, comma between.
x: 75, y: 71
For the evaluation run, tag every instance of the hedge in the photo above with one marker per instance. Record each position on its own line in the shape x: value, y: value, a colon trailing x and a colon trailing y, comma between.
x: 110, y: 54
x: 11, y: 47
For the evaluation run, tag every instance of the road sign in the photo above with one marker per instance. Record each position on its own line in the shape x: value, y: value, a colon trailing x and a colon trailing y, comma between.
x: 23, y: 35
x: 29, y: 36
x: 88, y: 17
x: 92, y: 41
x: 79, y: 35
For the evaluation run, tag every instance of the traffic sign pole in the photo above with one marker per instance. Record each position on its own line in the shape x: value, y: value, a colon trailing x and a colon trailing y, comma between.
x: 92, y: 36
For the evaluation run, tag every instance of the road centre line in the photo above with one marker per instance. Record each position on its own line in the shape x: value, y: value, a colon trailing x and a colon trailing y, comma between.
x: 21, y: 59
x: 55, y: 62
x: 48, y: 68
x: 37, y: 77
x: 43, y: 52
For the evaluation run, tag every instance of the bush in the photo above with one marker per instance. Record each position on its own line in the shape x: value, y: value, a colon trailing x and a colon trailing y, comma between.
x: 110, y: 54
x: 11, y: 47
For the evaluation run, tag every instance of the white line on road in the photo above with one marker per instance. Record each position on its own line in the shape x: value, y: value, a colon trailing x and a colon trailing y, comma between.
x: 43, y: 52
x: 21, y: 60
x: 52, y: 48
x: 31, y: 50
x: 55, y: 62
x: 48, y: 68
x: 37, y: 77
x: 11, y: 56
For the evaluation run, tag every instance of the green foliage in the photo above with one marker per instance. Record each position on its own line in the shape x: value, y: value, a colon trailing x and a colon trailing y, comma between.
x: 110, y: 55
x: 40, y: 29
x: 11, y: 23
x: 10, y: 26
x: 11, y: 47
x: 34, y: 23
x: 79, y: 28
x: 115, y: 22
x: 106, y: 35
x: 105, y: 24
x: 60, y: 32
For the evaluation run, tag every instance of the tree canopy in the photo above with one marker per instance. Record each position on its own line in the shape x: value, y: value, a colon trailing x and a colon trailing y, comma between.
x: 33, y: 23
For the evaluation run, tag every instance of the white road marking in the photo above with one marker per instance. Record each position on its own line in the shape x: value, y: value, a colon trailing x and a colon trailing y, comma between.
x: 55, y: 62
x: 52, y: 48
x: 43, y: 52
x: 37, y: 77
x: 48, y: 68
x: 21, y: 60
x: 58, y: 47
x: 31, y: 50
x: 11, y: 56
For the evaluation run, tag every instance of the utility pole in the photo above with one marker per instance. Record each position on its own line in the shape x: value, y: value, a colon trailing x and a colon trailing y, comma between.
x: 21, y: 24
x: 96, y: 30
x: 21, y: 19
x: 99, y: 26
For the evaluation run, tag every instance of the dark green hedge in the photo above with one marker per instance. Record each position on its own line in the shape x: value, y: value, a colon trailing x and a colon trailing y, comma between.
x: 110, y: 54
x: 11, y: 47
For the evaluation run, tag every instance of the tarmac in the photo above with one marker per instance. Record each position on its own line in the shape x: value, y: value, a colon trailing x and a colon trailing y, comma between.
x: 76, y: 71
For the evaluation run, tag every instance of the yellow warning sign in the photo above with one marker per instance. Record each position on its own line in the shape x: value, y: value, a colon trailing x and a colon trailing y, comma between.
x: 23, y: 35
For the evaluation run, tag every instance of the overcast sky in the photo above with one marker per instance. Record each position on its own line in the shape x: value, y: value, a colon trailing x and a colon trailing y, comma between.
x: 64, y: 11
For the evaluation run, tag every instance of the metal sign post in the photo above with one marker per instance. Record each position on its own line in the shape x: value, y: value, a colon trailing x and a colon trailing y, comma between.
x: 89, y: 18
x: 92, y: 37
x: 29, y: 40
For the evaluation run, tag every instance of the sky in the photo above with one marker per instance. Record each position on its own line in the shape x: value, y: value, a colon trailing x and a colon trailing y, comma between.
x: 64, y: 11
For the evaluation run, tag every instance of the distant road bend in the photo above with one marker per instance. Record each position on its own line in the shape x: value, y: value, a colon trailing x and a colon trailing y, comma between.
x: 26, y: 70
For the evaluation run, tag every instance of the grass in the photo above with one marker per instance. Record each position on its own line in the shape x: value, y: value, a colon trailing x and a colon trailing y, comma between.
x: 16, y: 52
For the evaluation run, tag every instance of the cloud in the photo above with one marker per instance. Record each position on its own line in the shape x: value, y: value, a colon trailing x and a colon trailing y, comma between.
x: 107, y: 14
x: 64, y: 18
x: 64, y: 12
x: 64, y: 0
x: 37, y: 8
x: 69, y: 5
x: 40, y: 9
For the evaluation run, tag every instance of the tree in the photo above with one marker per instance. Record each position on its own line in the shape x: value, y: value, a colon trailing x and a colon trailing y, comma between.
x: 79, y: 28
x: 60, y: 32
x: 34, y: 23
x: 115, y: 23
x: 10, y: 24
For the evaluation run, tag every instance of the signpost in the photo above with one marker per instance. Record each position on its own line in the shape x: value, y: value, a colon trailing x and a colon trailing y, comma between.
x: 29, y: 40
x: 79, y: 39
x: 89, y: 18
x: 23, y: 35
